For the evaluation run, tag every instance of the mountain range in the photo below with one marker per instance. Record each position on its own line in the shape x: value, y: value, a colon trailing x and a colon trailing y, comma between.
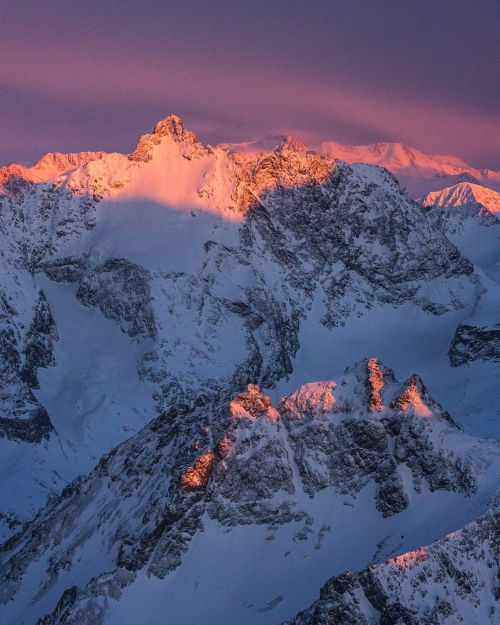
x: 232, y: 373
x: 418, y: 173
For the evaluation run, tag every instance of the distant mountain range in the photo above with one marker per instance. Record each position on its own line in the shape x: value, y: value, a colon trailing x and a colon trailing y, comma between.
x: 419, y: 173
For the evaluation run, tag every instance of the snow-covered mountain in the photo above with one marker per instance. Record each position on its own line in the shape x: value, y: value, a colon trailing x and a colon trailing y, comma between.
x: 420, y: 173
x: 235, y: 511
x: 465, y: 195
x: 453, y: 581
x: 49, y: 167
x: 470, y: 216
x: 213, y: 264
x: 141, y: 294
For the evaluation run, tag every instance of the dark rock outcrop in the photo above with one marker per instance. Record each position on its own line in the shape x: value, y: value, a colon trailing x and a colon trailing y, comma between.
x: 472, y: 343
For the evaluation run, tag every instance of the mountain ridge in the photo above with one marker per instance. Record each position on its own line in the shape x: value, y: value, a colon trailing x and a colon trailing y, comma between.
x: 464, y: 194
x: 263, y: 466
x: 420, y: 172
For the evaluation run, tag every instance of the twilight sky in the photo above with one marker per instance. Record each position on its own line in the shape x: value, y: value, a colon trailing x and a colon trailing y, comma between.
x: 95, y: 74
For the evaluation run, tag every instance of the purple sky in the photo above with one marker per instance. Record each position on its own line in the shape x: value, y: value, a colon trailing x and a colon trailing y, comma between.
x: 96, y: 74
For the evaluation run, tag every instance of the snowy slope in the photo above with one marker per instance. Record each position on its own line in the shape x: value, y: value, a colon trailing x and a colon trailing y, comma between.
x: 469, y: 215
x: 451, y: 581
x: 470, y: 344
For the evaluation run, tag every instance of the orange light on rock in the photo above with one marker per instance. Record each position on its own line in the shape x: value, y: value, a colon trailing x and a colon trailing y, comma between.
x: 376, y: 383
x: 196, y: 477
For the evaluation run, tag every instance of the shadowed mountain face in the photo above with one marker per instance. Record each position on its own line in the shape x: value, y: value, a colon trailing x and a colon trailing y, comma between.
x: 295, y: 474
x: 148, y: 298
x: 460, y: 569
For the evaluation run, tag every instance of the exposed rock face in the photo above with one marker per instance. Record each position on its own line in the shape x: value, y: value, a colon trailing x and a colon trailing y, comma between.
x: 255, y: 463
x: 365, y: 244
x: 472, y: 343
x: 349, y: 450
x: 39, y: 342
x: 411, y: 395
x: 253, y: 403
x: 32, y: 428
x: 310, y: 227
x: 22, y: 417
x: 452, y: 581
x: 324, y: 435
x: 196, y: 477
x: 171, y: 126
x: 315, y: 225
x: 120, y: 289
x: 376, y: 384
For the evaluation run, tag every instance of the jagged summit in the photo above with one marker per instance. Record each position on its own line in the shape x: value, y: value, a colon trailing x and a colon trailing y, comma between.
x: 174, y: 126
x: 417, y: 171
x: 148, y: 306
x: 251, y: 403
x: 49, y: 166
x: 291, y: 144
x: 171, y: 126
x: 270, y: 143
x: 367, y: 390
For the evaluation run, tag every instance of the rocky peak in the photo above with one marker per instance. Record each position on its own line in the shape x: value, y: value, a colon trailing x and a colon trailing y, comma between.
x: 256, y: 477
x: 39, y: 342
x: 251, y: 403
x: 376, y: 378
x: 290, y: 144
x: 287, y: 167
x: 412, y: 395
x: 315, y: 399
x: 174, y: 126
x: 367, y: 390
x: 414, y: 398
x: 171, y: 126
